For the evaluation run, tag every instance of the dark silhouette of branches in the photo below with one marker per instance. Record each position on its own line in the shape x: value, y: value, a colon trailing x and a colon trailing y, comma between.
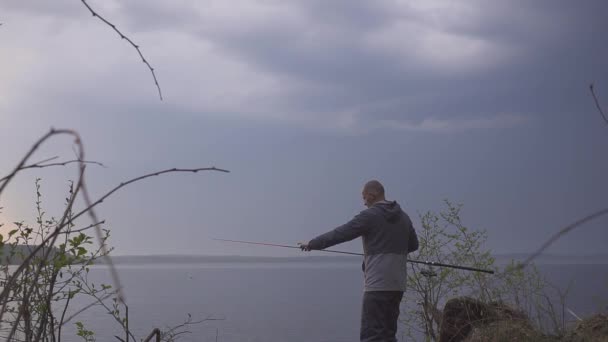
x: 580, y: 222
x: 92, y: 225
x: 136, y: 179
x: 597, y: 103
x: 91, y: 212
x: 173, y: 333
x: 499, y: 276
x: 65, y: 321
x: 9, y: 286
x: 66, y: 220
x: 6, y: 180
x: 577, y: 223
x: 123, y: 36
x: 561, y: 233
x: 503, y: 276
x: 155, y: 333
x: 43, y: 164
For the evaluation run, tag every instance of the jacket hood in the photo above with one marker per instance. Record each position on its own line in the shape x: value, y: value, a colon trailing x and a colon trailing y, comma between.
x: 390, y: 210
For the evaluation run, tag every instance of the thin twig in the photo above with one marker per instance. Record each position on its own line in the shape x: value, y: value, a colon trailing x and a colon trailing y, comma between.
x: 67, y: 219
x: 91, y: 292
x: 52, y: 237
x: 123, y: 36
x: 172, y: 332
x: 47, y: 160
x: 89, y: 209
x: 85, y: 308
x: 9, y: 285
x: 133, y: 180
x: 65, y: 308
x: 66, y: 163
x: 34, y: 147
x: 597, y: 103
x: 40, y: 165
x: 91, y: 212
x: 92, y: 225
x: 104, y: 250
x: 502, y: 276
x: 562, y: 232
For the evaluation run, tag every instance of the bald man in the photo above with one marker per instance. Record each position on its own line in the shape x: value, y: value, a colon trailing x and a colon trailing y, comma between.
x: 388, y: 236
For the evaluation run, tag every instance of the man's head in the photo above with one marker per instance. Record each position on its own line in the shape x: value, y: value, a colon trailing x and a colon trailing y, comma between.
x: 373, y: 192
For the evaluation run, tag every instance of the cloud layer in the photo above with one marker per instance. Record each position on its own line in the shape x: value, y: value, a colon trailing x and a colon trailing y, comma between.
x: 338, y: 65
x: 481, y: 101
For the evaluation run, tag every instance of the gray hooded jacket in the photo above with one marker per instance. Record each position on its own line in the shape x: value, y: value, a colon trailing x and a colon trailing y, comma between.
x: 388, y: 236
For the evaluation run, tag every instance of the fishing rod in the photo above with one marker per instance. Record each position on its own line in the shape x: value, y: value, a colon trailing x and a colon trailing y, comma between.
x: 284, y: 246
x: 430, y: 263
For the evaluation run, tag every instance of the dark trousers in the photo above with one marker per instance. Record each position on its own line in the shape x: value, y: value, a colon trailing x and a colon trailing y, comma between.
x: 379, y: 316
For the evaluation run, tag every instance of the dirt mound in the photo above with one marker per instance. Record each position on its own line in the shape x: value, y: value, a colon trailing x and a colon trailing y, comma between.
x: 467, y: 319
x: 507, y: 331
x: 594, y: 328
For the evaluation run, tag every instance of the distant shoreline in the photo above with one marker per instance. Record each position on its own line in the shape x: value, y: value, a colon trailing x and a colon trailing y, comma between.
x: 186, y: 259
x: 501, y: 259
x: 195, y: 259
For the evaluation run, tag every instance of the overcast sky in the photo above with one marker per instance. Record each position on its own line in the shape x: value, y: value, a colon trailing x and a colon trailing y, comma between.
x: 484, y: 103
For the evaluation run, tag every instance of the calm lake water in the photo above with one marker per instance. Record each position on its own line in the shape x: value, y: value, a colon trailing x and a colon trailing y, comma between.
x: 274, y: 302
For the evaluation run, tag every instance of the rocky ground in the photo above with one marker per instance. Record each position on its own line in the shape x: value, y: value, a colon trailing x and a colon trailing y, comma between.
x: 468, y: 320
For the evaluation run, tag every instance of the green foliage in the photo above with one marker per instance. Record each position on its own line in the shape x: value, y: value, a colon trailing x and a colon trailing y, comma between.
x: 54, y: 275
x: 87, y: 335
x: 444, y: 238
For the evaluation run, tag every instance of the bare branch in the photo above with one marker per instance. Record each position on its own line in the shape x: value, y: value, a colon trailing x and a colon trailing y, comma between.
x: 566, y: 229
x: 158, y: 173
x: 35, y: 147
x: 53, y: 236
x: 65, y: 308
x: 41, y: 165
x: 10, y: 283
x: 173, y: 332
x: 66, y: 163
x: 85, y: 308
x: 597, y: 103
x: 66, y: 220
x: 47, y: 160
x: 89, y: 209
x: 91, y: 212
x: 92, y: 225
x: 561, y: 233
x: 123, y: 36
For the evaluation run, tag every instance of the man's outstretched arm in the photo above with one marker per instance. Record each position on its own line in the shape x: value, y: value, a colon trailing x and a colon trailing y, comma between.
x: 349, y: 231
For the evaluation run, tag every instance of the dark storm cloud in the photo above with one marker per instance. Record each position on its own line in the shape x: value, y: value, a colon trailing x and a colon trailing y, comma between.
x: 535, y: 52
x: 481, y: 102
